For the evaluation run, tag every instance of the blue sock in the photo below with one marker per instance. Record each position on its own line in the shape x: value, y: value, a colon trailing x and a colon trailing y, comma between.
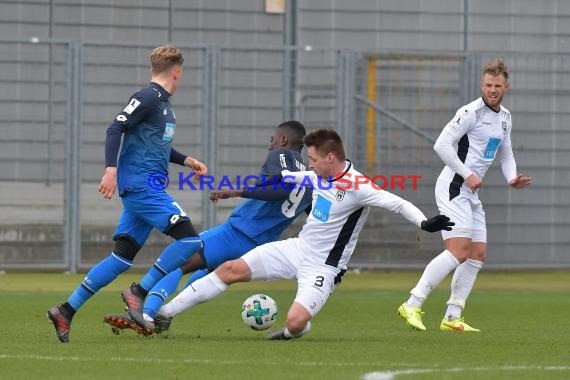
x: 160, y: 292
x: 98, y: 277
x: 196, y: 276
x: 171, y: 258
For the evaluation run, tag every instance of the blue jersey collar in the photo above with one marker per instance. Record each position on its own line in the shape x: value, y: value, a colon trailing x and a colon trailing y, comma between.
x: 160, y: 89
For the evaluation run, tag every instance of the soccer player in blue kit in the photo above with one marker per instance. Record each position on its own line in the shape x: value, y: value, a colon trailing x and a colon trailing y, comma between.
x: 148, y: 123
x: 270, y: 208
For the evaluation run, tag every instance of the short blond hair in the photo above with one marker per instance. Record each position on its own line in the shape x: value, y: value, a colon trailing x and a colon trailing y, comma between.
x: 497, y: 67
x: 164, y: 58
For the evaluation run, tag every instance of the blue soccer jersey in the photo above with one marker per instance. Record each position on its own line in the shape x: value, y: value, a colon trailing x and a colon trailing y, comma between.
x: 264, y: 221
x: 148, y: 123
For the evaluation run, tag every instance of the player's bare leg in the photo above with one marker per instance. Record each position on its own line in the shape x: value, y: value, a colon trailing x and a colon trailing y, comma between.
x: 298, y: 324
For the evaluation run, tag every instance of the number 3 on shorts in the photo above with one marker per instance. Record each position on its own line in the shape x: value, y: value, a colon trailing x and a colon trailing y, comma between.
x: 319, y: 280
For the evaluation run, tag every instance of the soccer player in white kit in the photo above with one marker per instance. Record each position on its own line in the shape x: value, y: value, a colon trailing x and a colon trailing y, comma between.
x: 468, y: 144
x: 317, y: 258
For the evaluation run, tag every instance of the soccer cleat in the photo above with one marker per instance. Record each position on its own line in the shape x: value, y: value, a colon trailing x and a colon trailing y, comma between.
x: 61, y: 324
x: 456, y: 325
x: 413, y: 316
x: 135, y: 303
x: 120, y: 322
x: 278, y: 335
x: 161, y: 323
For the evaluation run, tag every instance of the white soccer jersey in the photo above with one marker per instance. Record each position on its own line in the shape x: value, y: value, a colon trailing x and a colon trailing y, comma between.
x: 477, y: 133
x: 339, y: 210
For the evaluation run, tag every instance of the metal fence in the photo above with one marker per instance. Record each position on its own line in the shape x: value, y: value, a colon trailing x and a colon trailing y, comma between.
x: 389, y: 107
x: 416, y: 94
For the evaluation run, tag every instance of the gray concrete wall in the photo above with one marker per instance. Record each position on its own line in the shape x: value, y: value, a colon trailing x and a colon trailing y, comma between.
x: 505, y: 25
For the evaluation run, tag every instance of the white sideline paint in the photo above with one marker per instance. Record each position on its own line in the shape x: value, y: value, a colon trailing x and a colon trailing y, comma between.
x: 168, y: 361
x: 377, y: 375
x: 390, y: 375
x: 131, y: 360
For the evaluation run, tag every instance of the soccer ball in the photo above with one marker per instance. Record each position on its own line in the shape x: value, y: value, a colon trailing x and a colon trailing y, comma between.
x: 259, y: 311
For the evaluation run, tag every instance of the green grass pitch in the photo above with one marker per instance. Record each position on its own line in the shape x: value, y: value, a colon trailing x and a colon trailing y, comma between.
x: 523, y: 316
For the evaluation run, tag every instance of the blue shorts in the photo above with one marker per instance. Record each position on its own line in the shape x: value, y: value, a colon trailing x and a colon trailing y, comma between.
x: 143, y: 210
x: 223, y: 243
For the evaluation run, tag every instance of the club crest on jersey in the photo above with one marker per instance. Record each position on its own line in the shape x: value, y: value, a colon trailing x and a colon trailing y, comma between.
x: 504, y: 125
x: 340, y: 195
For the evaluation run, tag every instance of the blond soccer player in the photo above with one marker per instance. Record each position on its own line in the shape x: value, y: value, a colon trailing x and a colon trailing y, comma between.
x: 478, y: 133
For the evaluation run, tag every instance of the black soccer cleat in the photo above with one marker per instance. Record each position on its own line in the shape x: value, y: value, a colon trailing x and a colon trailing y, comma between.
x: 61, y: 323
x: 161, y: 323
x: 135, y: 302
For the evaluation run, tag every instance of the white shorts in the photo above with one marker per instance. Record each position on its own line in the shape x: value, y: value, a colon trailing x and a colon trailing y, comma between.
x: 286, y: 259
x: 465, y: 210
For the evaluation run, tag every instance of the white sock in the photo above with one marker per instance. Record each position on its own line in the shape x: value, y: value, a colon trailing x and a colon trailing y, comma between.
x: 435, y: 272
x: 198, y: 292
x: 461, y: 285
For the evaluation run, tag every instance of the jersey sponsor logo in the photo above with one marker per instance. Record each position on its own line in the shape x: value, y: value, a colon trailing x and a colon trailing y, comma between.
x: 340, y: 195
x: 133, y: 104
x: 492, y: 147
x: 282, y: 160
x: 504, y: 126
x: 321, y: 209
x: 168, y: 132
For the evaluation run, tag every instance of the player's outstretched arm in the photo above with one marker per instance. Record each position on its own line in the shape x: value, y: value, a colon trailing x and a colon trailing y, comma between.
x: 216, y: 195
x: 300, y: 177
x: 264, y: 192
x: 437, y: 223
